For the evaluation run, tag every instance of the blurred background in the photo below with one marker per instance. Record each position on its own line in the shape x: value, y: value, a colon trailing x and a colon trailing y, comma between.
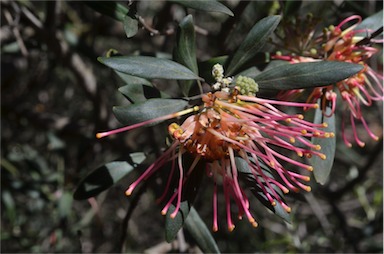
x: 55, y: 96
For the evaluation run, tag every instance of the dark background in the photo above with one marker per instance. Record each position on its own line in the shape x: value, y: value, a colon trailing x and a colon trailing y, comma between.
x: 55, y: 96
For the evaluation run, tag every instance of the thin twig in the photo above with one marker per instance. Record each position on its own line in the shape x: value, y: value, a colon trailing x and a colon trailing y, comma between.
x: 16, y: 33
x: 319, y: 213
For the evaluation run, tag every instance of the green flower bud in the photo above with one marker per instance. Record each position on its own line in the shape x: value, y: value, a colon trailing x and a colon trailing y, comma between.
x: 247, y: 86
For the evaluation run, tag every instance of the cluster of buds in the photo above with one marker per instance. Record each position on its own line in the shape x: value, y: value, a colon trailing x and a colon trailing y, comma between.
x: 222, y: 83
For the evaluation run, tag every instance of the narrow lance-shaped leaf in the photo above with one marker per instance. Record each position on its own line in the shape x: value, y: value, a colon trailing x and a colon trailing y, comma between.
x: 104, y: 177
x: 322, y: 168
x: 306, y: 75
x: 185, y: 50
x: 138, y: 89
x: 150, y: 109
x: 173, y: 225
x: 252, y: 43
x: 373, y: 22
x: 199, y: 231
x: 249, y: 180
x: 129, y: 79
x: 136, y: 93
x: 131, y: 25
x: 205, y: 5
x: 189, y: 192
x: 149, y: 67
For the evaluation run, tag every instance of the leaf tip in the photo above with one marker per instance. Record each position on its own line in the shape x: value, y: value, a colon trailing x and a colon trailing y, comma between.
x: 100, y: 59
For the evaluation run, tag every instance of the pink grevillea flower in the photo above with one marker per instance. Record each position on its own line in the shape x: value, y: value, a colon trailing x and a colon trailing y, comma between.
x: 361, y: 89
x: 229, y: 126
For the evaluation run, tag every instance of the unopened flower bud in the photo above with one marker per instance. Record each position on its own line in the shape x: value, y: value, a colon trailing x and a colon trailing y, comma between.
x: 218, y: 72
x: 247, y: 86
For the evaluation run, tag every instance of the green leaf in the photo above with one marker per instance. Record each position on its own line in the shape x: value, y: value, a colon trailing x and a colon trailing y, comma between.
x: 139, y: 93
x: 138, y: 89
x: 150, y: 109
x: 148, y: 67
x: 248, y: 179
x: 373, y: 22
x: 105, y: 176
x: 199, y: 231
x: 185, y: 50
x: 252, y: 43
x: 205, y: 5
x: 173, y: 225
x: 305, y: 75
x: 322, y: 168
x: 109, y: 8
x: 131, y: 25
x: 190, y: 189
x: 129, y: 79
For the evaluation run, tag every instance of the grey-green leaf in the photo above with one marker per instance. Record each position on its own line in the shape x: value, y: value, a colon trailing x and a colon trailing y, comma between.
x: 185, y: 50
x: 139, y: 93
x: 150, y: 109
x: 131, y: 25
x: 248, y: 179
x: 373, y: 22
x: 205, y: 5
x: 199, y: 231
x: 252, y: 43
x: 149, y: 67
x: 138, y: 89
x: 306, y: 75
x: 129, y: 79
x: 322, y: 168
x: 105, y: 176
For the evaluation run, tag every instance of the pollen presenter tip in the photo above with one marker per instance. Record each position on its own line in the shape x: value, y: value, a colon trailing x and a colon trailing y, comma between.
x: 128, y: 192
x: 100, y: 135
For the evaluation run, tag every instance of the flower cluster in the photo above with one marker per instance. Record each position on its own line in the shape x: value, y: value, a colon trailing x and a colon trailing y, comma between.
x: 345, y: 45
x: 232, y: 125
